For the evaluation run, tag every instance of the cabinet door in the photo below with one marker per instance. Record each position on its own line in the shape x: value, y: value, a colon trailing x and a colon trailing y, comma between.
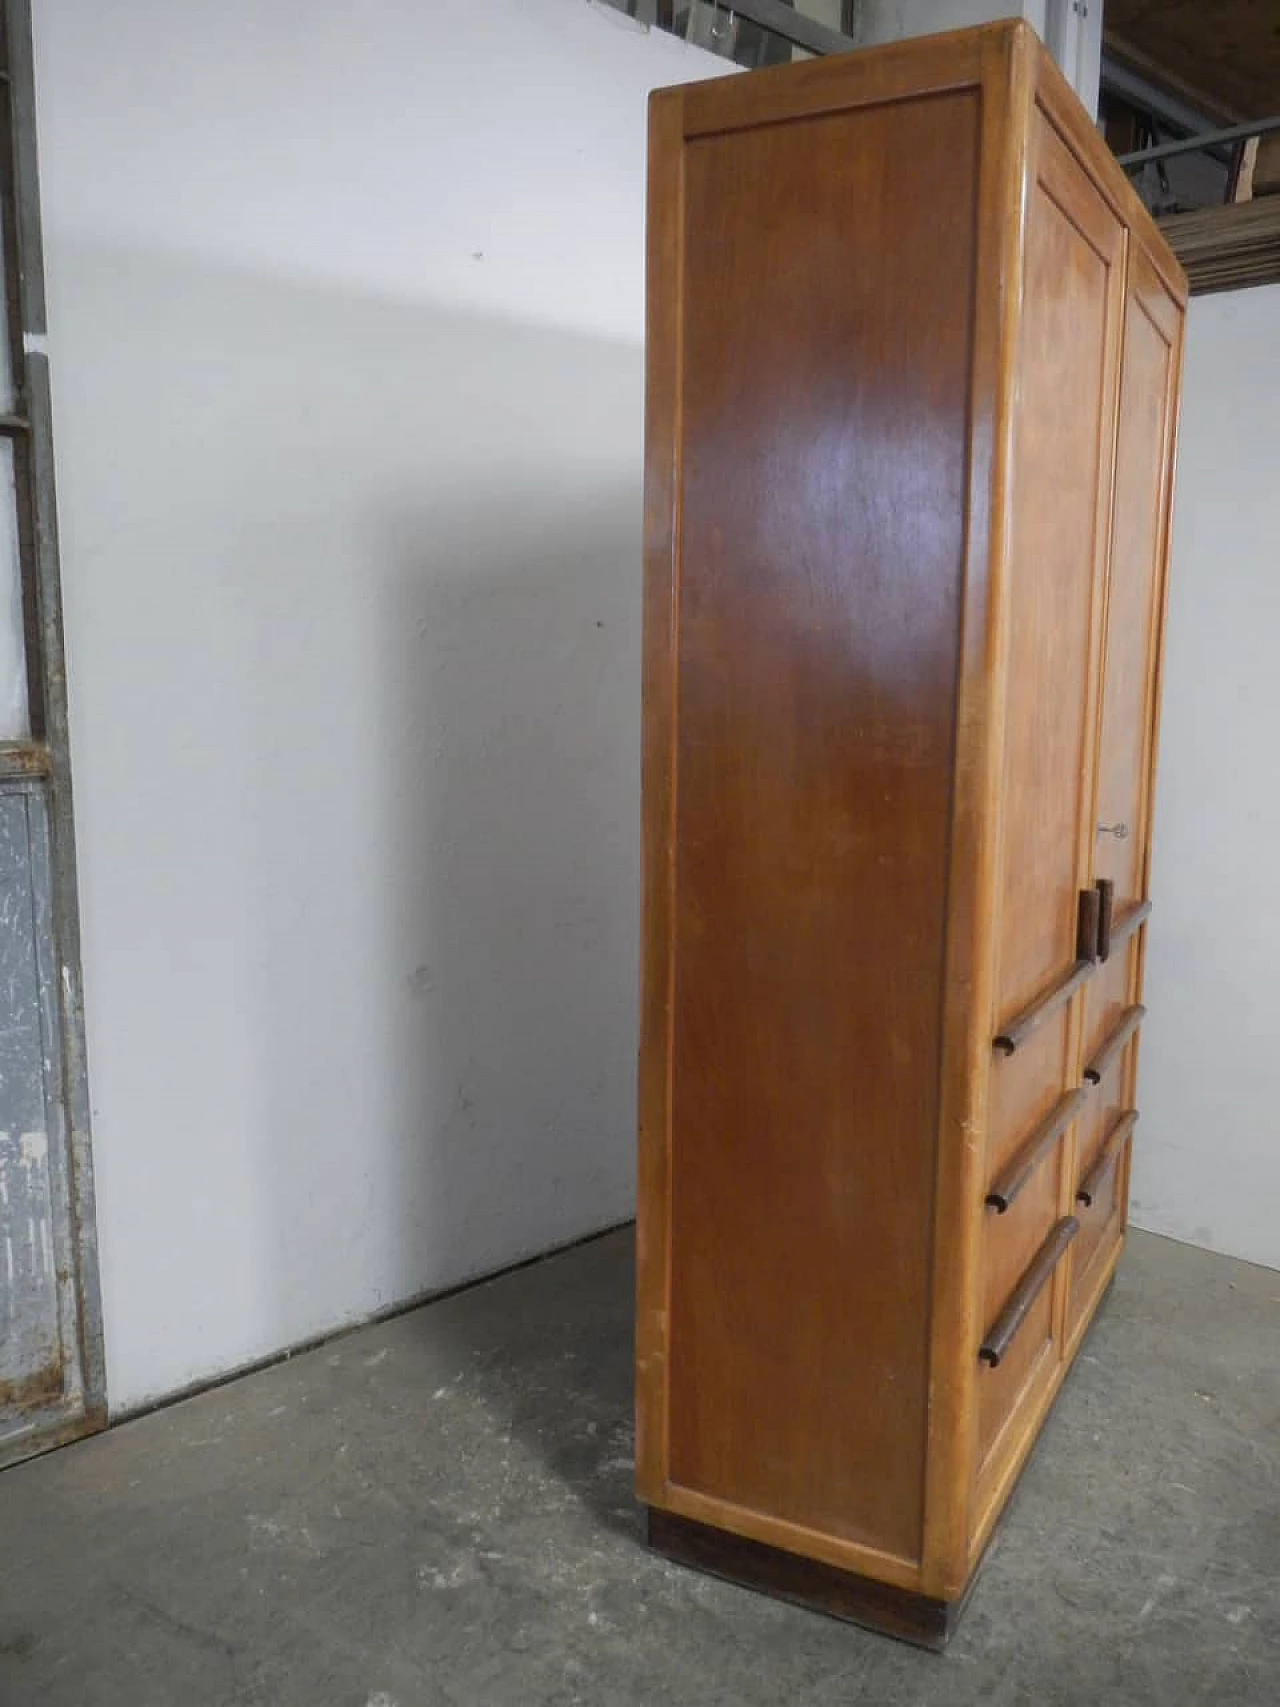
x: 1068, y: 362
x: 1126, y: 739
x: 1067, y: 371
x: 1136, y: 582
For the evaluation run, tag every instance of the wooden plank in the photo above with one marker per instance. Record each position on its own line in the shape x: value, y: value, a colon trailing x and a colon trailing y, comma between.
x: 1227, y: 248
x: 1242, y: 190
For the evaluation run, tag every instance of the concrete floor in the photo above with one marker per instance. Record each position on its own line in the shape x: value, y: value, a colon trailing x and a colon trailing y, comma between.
x: 438, y: 1510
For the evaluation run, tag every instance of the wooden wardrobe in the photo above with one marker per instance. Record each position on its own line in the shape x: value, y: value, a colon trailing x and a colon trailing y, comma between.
x: 913, y: 360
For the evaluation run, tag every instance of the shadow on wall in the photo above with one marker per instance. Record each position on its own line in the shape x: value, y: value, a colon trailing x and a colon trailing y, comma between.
x: 361, y: 924
x: 517, y: 1040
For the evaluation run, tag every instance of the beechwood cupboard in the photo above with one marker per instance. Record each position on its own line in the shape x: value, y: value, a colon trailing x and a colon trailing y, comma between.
x: 913, y: 362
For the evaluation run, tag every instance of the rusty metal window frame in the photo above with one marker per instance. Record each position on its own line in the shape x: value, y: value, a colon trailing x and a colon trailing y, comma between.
x: 24, y: 325
x: 44, y: 759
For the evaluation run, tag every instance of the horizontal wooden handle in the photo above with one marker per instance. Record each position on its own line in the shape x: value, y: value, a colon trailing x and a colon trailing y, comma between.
x: 1114, y: 1141
x: 1033, y: 1016
x: 1118, y: 1036
x: 1011, y: 1181
x: 1126, y: 923
x: 1028, y: 1289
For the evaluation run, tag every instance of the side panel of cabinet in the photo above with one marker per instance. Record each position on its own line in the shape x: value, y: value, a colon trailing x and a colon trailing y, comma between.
x: 825, y: 290
x: 1067, y: 380
x: 1126, y: 738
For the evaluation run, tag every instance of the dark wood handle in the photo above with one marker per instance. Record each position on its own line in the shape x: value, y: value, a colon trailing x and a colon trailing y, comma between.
x: 1119, y: 1035
x: 1114, y: 1141
x: 1106, y: 906
x: 1128, y: 922
x: 1028, y: 1289
x: 1011, y: 1181
x: 1033, y: 1016
x: 1087, y: 925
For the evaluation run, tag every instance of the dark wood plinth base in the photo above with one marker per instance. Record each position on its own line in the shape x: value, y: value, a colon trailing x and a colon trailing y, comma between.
x: 822, y: 1588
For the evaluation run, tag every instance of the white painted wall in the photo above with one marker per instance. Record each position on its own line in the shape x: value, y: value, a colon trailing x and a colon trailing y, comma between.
x: 346, y: 329
x: 1207, y: 1151
x: 346, y: 320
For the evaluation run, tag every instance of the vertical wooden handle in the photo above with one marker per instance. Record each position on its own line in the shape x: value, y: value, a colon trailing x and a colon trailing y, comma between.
x: 1087, y: 925
x: 1106, y: 891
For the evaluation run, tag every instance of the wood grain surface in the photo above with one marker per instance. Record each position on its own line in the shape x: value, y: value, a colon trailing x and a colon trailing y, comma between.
x: 912, y: 372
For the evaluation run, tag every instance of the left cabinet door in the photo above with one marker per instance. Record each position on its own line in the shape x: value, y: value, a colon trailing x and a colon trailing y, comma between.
x: 1068, y: 369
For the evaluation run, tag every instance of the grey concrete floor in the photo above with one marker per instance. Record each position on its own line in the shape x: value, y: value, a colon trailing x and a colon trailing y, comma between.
x: 438, y: 1510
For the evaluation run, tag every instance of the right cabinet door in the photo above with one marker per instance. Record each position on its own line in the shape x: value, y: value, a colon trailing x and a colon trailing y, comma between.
x: 1126, y: 755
